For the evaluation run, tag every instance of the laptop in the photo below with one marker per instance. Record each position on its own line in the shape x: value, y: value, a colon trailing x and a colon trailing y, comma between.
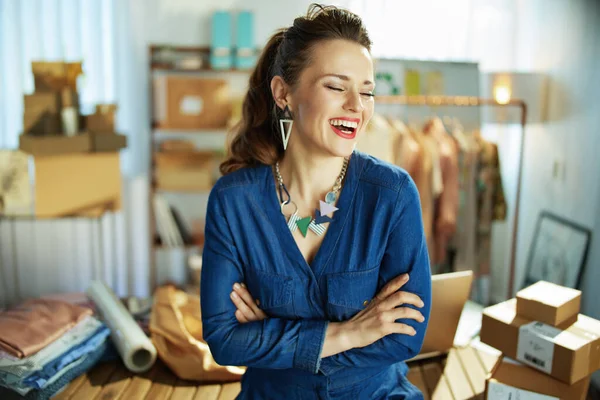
x: 449, y: 293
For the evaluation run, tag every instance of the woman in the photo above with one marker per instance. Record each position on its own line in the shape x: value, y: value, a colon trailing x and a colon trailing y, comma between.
x: 321, y: 236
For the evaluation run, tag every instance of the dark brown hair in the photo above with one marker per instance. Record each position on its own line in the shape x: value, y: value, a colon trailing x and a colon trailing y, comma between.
x: 256, y: 139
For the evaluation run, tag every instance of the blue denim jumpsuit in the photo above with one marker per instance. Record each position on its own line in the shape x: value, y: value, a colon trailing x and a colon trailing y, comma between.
x: 376, y: 235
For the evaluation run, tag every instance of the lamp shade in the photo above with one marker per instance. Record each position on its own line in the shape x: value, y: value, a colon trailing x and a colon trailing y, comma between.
x: 531, y: 87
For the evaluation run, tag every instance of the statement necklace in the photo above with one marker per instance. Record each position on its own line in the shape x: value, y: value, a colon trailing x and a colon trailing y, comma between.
x: 325, y: 207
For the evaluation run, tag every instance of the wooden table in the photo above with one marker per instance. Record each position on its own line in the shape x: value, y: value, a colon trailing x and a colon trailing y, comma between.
x: 461, y: 375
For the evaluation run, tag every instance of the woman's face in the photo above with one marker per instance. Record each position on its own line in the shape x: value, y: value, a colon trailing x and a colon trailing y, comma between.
x: 333, y: 98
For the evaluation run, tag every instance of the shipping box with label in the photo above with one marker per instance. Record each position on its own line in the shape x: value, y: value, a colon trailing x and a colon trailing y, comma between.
x: 184, y: 102
x: 568, y: 355
x: 512, y: 380
x: 549, y: 303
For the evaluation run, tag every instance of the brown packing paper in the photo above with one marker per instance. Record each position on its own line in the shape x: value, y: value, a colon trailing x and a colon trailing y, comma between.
x: 176, y: 332
x: 549, y: 303
x: 521, y: 377
x: 55, y: 76
x: 576, y: 351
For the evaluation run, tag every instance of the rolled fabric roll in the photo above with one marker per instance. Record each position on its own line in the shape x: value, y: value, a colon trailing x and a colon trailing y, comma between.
x: 135, y: 348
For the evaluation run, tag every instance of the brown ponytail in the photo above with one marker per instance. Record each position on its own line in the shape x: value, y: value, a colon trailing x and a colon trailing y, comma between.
x: 256, y: 138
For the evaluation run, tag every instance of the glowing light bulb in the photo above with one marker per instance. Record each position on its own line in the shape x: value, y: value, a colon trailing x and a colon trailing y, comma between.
x: 502, y: 94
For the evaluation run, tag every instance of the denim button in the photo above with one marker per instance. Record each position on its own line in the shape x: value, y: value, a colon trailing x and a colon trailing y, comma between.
x: 365, y: 303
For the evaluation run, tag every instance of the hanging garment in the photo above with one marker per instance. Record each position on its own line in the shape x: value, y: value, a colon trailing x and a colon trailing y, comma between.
x: 176, y: 332
x: 32, y: 325
x: 491, y: 206
x: 409, y: 154
x: 447, y: 205
x: 376, y: 235
x: 379, y: 139
x: 464, y: 241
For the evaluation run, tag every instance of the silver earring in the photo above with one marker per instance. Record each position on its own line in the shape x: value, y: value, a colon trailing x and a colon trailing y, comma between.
x: 285, y: 124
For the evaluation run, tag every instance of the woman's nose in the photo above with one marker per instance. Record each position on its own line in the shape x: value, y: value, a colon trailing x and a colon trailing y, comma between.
x: 354, y: 102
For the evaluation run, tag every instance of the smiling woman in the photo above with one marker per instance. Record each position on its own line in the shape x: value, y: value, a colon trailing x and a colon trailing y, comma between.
x: 315, y: 268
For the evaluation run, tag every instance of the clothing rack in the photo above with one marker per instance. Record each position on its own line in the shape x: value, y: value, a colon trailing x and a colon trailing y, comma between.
x: 470, y: 101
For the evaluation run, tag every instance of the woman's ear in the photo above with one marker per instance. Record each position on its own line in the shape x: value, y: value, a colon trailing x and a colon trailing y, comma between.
x: 280, y: 92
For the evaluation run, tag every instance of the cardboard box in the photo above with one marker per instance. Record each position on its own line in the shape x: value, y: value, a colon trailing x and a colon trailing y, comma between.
x: 568, y: 355
x: 59, y: 186
x: 83, y: 143
x: 191, y: 103
x: 41, y: 123
x: 510, y: 379
x: 103, y: 120
x: 549, y: 303
x: 185, y: 159
x: 184, y: 179
x: 43, y: 101
x: 75, y: 183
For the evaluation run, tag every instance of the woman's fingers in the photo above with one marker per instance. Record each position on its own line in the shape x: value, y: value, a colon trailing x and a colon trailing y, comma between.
x: 240, y: 317
x: 403, y: 329
x: 242, y: 306
x: 404, y: 313
x: 392, y: 286
x: 400, y: 298
x: 247, y: 297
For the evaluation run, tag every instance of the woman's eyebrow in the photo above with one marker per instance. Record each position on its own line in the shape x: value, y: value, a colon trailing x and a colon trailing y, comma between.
x: 346, y: 78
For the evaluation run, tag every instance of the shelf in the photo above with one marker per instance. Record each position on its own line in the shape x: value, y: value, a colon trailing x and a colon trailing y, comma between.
x: 167, y: 131
x: 184, y: 191
x: 184, y: 247
x: 175, y: 70
x: 214, y: 140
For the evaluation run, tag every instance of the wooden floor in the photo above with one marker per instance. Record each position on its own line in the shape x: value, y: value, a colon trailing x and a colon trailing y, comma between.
x: 459, y: 376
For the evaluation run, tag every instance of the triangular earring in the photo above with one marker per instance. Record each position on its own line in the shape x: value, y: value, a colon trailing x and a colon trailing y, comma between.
x: 286, y: 130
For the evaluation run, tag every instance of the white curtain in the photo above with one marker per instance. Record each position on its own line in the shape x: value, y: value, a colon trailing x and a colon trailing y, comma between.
x: 39, y: 257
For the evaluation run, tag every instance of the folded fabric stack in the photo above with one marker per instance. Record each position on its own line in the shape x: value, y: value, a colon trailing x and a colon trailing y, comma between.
x: 45, y: 343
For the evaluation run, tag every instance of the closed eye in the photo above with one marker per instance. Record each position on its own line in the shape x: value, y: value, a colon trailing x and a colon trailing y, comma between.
x: 368, y: 94
x: 335, y: 88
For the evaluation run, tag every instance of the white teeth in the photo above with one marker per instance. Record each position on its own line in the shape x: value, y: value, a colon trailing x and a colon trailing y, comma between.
x: 337, y: 122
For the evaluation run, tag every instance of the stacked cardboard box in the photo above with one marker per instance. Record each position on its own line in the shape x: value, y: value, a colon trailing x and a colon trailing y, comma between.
x: 556, y: 347
x: 51, y: 121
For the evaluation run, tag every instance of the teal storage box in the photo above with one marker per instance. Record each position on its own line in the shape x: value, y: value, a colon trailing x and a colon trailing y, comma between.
x: 245, y: 57
x: 221, y: 56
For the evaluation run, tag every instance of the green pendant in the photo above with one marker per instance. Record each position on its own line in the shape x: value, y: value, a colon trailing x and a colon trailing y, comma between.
x: 303, y: 225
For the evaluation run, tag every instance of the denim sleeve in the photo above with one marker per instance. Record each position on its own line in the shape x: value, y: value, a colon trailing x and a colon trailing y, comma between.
x: 406, y: 252
x: 272, y: 343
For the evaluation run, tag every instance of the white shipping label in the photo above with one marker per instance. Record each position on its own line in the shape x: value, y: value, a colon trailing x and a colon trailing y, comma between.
x: 499, y: 391
x: 536, y: 345
x: 191, y: 105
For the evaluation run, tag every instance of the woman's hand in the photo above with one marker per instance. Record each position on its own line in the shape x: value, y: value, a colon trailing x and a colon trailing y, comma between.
x: 247, y: 307
x: 378, y: 318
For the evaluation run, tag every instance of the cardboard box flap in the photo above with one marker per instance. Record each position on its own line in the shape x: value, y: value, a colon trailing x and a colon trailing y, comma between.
x: 549, y: 293
x: 505, y: 312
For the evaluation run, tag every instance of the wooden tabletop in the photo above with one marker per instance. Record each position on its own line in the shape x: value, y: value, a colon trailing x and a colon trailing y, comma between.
x: 461, y: 375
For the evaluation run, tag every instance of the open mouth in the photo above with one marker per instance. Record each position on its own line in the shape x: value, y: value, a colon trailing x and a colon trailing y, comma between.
x: 344, y: 128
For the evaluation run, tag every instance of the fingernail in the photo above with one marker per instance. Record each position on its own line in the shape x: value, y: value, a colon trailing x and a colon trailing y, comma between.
x: 405, y: 277
x: 234, y: 295
x: 236, y: 286
x: 413, y: 332
x: 421, y: 304
x: 243, y: 285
